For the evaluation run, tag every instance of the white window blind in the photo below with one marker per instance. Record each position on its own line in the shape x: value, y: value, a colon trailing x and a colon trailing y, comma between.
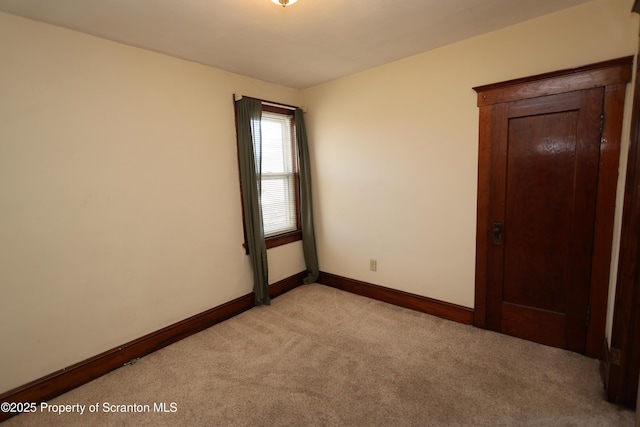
x: 278, y: 198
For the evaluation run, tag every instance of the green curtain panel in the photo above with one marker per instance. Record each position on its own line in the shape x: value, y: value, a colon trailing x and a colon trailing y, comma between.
x: 248, y: 115
x: 306, y: 204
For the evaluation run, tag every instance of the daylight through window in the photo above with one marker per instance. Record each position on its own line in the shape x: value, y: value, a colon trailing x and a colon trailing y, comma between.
x: 278, y: 198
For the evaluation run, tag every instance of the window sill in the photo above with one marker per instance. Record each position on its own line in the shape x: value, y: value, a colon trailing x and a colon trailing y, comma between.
x: 283, y: 239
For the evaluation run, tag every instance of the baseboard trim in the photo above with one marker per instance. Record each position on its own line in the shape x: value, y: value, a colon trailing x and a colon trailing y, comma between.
x: 66, y: 379
x: 613, y: 378
x: 605, y: 365
x: 285, y: 285
x: 445, y: 310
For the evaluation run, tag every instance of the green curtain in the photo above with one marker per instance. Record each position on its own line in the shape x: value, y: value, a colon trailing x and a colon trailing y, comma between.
x: 306, y: 204
x: 248, y: 116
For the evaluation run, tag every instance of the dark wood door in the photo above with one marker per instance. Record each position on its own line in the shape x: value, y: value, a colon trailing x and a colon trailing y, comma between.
x: 543, y: 208
x: 540, y: 153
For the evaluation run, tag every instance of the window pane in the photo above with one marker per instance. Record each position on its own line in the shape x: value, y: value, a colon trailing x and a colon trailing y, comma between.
x: 278, y: 198
x: 278, y: 204
x: 276, y: 143
x: 272, y: 147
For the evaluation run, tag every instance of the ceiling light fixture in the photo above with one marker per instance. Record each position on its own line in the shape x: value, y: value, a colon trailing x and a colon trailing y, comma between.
x: 284, y: 3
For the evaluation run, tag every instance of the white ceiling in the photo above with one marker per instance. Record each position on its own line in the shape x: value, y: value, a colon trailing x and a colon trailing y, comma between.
x: 310, y: 42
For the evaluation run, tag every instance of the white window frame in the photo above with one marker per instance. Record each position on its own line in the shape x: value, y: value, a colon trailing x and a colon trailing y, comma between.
x: 280, y: 216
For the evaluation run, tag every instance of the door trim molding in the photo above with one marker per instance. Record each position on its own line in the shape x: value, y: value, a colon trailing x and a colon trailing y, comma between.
x: 613, y: 76
x: 622, y: 379
x: 600, y: 74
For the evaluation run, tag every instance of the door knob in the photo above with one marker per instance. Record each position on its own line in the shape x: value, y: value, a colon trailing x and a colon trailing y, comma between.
x: 496, y: 232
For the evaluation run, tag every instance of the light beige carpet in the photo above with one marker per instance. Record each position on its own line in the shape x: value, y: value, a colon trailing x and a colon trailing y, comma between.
x: 320, y: 356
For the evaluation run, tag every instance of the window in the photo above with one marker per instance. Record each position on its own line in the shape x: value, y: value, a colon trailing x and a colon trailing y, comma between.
x: 279, y: 199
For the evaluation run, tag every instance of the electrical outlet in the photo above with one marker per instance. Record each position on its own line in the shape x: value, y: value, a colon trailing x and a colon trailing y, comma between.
x: 373, y: 265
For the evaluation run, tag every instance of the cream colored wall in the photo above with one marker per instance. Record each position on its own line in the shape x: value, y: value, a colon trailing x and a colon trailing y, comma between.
x: 395, y: 147
x: 119, y: 202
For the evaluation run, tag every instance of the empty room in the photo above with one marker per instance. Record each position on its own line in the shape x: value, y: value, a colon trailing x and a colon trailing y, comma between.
x: 319, y: 212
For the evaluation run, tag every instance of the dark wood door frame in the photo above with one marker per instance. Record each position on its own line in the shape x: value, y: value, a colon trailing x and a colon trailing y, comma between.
x: 622, y: 364
x: 611, y: 75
